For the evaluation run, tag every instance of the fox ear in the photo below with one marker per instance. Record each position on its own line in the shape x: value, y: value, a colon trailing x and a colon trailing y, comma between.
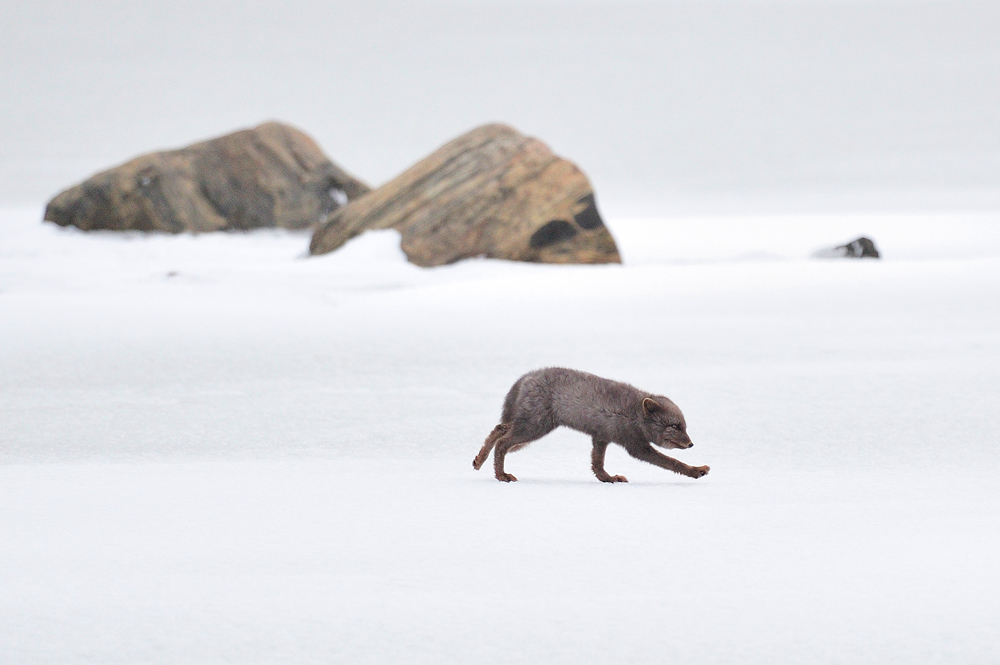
x: 650, y: 406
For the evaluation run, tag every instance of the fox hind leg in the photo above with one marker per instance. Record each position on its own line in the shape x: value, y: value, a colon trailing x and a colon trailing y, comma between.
x: 506, y: 444
x: 491, y: 441
x: 517, y: 438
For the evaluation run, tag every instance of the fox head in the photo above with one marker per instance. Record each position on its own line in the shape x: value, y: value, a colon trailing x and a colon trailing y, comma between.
x: 663, y: 423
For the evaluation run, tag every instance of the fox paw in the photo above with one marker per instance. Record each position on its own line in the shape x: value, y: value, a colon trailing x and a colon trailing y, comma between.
x: 506, y: 478
x: 614, y: 479
x: 699, y: 471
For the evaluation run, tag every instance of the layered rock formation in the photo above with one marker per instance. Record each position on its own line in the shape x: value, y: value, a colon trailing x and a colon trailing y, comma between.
x: 492, y: 192
x: 860, y: 248
x: 269, y: 176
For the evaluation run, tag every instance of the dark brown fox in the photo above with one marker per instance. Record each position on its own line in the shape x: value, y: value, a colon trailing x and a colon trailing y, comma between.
x: 609, y: 411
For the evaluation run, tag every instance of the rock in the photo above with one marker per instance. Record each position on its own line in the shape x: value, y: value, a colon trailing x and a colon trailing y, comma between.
x: 861, y: 248
x: 271, y: 175
x: 492, y: 192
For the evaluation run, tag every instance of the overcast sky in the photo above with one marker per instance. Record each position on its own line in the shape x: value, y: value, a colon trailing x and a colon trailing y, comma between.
x: 666, y: 105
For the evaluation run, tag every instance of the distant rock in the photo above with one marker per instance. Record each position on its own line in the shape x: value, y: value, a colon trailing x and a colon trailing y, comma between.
x: 269, y: 176
x: 492, y: 192
x: 862, y: 248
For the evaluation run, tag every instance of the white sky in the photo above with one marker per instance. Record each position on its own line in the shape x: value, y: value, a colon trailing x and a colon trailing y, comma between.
x: 817, y: 104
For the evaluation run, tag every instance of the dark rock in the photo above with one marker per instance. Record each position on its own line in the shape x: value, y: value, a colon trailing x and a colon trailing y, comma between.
x: 492, y: 192
x: 862, y: 248
x: 269, y: 176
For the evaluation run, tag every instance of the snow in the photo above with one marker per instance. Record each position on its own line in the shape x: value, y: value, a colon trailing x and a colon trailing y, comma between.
x: 214, y: 449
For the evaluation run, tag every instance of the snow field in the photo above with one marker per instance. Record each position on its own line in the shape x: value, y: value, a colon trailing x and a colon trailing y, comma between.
x: 266, y: 458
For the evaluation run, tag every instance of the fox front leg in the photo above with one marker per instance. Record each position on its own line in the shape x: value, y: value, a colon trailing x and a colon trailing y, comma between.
x: 597, y: 463
x: 647, y: 454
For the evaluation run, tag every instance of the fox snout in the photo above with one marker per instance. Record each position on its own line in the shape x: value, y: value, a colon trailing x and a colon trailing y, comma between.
x: 682, y: 442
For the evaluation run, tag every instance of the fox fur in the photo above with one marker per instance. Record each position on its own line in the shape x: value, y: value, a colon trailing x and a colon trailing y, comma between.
x: 609, y: 411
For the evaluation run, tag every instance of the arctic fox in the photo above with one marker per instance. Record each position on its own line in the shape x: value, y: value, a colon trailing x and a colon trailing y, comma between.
x: 609, y: 411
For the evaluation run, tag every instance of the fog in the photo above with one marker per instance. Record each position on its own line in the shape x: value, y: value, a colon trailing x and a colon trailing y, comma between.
x: 670, y: 107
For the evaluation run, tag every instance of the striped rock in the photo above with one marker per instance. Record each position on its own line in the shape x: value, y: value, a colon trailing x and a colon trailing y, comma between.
x: 492, y: 192
x: 269, y: 176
